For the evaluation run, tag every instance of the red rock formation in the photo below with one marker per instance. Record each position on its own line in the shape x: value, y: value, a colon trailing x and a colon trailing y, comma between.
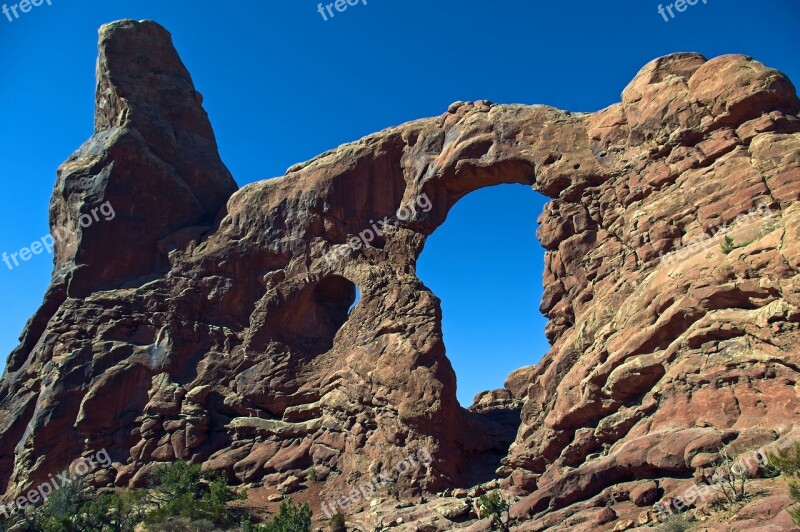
x: 656, y: 363
x: 232, y: 344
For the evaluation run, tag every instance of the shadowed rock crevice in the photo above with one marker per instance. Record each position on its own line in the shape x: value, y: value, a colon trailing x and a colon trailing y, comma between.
x: 310, y: 319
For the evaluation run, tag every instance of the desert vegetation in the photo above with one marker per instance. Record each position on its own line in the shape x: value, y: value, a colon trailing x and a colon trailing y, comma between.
x: 495, y: 506
x: 787, y: 464
x: 181, y: 497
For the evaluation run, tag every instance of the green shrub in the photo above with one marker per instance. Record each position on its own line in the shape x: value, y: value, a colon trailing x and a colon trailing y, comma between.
x: 338, y: 523
x: 732, y: 479
x: 59, y: 511
x: 182, y: 498
x: 494, y: 505
x: 291, y: 518
x: 675, y: 523
x: 112, y: 512
x: 183, y: 490
x: 727, y: 245
x: 311, y: 474
x: 787, y: 463
x: 75, y: 508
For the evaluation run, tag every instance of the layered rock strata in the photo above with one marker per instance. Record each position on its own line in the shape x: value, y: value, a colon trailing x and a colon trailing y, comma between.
x: 214, y: 325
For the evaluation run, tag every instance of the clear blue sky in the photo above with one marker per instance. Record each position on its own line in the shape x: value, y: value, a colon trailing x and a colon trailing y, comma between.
x: 282, y: 85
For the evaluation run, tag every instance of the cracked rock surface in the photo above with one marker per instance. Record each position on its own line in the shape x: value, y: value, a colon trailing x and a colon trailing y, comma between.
x: 210, y: 324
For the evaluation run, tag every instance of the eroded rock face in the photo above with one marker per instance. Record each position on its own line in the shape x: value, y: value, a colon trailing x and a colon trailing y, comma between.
x: 153, y: 158
x: 232, y: 344
x: 660, y: 358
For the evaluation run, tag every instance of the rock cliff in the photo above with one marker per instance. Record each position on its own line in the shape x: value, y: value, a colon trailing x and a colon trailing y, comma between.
x: 213, y: 324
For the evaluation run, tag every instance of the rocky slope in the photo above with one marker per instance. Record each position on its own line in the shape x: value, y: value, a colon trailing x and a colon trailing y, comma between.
x: 210, y: 324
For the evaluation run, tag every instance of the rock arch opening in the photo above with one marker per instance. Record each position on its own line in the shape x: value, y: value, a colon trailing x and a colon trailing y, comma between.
x: 485, y: 264
x: 316, y: 314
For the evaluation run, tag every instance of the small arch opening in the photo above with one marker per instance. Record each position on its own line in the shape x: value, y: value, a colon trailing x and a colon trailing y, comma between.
x: 315, y: 314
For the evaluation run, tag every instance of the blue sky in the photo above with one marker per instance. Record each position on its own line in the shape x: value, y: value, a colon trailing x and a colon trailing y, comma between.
x: 282, y: 85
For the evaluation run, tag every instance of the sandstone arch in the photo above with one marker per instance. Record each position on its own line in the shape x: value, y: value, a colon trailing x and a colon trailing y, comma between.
x: 636, y: 357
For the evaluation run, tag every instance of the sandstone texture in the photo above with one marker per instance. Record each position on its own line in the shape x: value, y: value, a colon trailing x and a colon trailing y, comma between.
x: 212, y: 324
